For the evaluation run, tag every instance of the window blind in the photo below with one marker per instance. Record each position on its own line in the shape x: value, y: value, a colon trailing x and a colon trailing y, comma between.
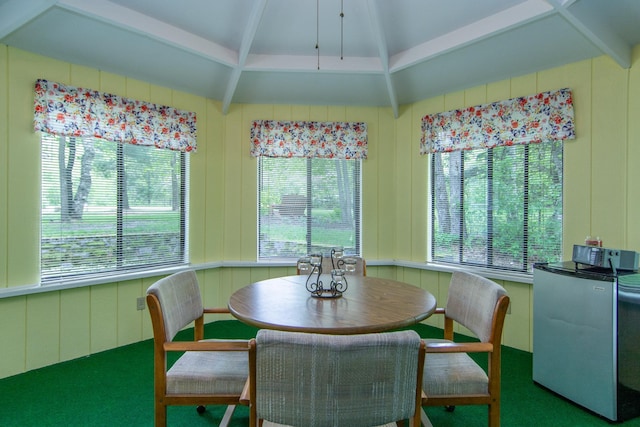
x: 307, y: 206
x: 109, y: 207
x: 498, y: 208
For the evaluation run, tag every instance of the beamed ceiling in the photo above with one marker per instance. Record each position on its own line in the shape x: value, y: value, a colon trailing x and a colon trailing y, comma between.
x: 393, y: 52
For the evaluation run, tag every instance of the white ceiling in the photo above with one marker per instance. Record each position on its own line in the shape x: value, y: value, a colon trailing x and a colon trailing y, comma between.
x: 264, y: 51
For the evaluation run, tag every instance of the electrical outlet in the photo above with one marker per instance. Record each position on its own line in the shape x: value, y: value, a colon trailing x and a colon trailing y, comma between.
x: 140, y: 303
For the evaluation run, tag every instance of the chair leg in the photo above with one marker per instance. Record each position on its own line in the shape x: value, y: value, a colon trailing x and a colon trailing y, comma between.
x: 494, y: 415
x: 160, y: 415
x: 426, y: 422
x: 227, y: 415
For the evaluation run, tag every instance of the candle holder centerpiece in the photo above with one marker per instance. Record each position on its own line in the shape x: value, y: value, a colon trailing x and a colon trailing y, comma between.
x: 313, y: 264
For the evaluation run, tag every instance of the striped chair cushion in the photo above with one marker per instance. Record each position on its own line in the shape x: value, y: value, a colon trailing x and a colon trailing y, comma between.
x: 471, y: 300
x: 179, y: 296
x: 270, y: 424
x: 452, y: 374
x: 328, y: 380
x: 208, y: 372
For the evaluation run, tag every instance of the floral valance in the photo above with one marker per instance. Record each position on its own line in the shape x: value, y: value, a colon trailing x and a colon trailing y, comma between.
x: 547, y: 116
x: 73, y: 111
x: 329, y: 140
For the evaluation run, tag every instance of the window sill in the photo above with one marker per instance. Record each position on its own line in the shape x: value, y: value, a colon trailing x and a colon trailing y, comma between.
x: 70, y: 284
x: 510, y: 276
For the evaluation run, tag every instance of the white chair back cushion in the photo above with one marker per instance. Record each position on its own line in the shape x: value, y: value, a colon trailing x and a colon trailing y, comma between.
x: 179, y: 296
x: 359, y: 267
x: 327, y: 265
x: 471, y: 302
x: 317, y: 380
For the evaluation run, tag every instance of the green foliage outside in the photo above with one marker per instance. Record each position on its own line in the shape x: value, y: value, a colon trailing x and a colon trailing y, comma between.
x: 327, y: 186
x: 327, y: 235
x: 93, y: 224
x: 509, y: 211
x: 85, y: 183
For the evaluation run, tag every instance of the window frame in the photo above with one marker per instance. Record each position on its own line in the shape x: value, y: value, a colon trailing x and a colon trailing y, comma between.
x: 309, y: 244
x: 120, y: 269
x: 527, y: 265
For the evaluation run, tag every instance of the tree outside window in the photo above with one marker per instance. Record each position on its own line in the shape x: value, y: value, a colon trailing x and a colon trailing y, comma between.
x: 307, y: 206
x: 110, y: 207
x: 499, y: 208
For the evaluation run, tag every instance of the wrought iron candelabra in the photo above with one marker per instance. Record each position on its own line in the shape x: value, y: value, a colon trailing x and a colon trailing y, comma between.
x: 338, y: 284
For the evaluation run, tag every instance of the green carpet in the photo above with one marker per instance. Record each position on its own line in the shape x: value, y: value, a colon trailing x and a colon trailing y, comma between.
x: 115, y: 388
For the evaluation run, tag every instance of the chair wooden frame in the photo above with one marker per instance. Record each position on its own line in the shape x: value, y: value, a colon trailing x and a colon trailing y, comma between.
x: 250, y: 390
x: 492, y: 347
x: 162, y: 347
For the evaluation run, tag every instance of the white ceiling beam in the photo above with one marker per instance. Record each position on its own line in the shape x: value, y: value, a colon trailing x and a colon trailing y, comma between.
x: 119, y: 16
x: 16, y: 13
x: 497, y: 23
x: 245, y: 46
x: 330, y: 64
x: 591, y: 27
x: 383, y: 51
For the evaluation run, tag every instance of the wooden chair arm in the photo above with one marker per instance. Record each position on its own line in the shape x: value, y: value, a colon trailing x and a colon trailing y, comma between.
x: 465, y: 347
x: 218, y: 310
x: 206, y: 346
x: 439, y: 310
x: 245, y: 396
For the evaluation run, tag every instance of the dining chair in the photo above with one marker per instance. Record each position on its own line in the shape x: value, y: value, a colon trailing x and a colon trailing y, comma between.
x: 209, y: 371
x: 451, y: 376
x: 318, y: 380
x: 359, y: 267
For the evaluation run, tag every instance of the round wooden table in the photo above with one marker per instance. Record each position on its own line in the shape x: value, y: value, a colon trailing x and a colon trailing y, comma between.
x: 370, y: 304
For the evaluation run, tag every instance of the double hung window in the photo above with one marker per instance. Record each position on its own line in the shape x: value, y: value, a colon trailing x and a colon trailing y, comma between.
x: 496, y: 181
x: 308, y: 206
x: 113, y: 183
x: 498, y: 208
x: 110, y: 208
x: 308, y: 186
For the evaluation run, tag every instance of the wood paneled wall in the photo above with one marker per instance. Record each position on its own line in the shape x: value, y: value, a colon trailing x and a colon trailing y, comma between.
x: 45, y: 328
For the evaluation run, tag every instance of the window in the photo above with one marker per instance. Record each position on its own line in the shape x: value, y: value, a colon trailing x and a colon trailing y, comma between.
x: 499, y: 208
x: 307, y: 205
x: 110, y: 208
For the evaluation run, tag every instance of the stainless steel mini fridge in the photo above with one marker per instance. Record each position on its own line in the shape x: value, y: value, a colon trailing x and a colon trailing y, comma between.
x: 586, y: 337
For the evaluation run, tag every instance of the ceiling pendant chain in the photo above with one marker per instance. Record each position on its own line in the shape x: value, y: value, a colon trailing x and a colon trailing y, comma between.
x: 318, y: 31
x: 341, y: 29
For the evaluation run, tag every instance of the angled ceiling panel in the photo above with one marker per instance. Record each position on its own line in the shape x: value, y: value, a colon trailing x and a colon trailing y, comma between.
x: 312, y: 88
x: 546, y: 44
x: 77, y: 39
x: 264, y: 51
